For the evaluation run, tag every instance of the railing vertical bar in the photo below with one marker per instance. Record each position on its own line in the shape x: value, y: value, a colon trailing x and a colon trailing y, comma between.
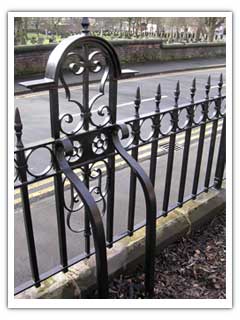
x: 58, y: 182
x: 187, y: 142
x: 22, y: 172
x: 133, y: 178
x: 85, y: 100
x: 198, y: 160
x: 201, y: 140
x: 210, y: 155
x: 110, y: 201
x: 30, y: 235
x: 171, y: 153
x: 221, y: 160
x: 154, y: 147
x: 111, y: 164
x: 214, y: 134
x: 169, y: 174
x: 132, y: 195
x: 87, y: 230
x: 153, y: 162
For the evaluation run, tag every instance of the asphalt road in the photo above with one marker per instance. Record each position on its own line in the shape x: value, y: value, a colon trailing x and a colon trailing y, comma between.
x: 34, y: 110
x: 35, y: 113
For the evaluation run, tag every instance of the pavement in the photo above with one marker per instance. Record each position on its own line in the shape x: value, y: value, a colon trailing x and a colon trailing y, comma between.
x: 143, y: 69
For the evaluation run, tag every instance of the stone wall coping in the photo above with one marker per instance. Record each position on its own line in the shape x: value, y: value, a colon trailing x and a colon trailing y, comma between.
x: 50, y: 47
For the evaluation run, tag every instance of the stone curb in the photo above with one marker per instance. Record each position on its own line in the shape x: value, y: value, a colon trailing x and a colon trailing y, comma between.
x: 124, y: 255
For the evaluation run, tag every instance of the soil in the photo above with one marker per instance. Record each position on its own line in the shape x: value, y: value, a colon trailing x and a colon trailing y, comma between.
x: 191, y: 268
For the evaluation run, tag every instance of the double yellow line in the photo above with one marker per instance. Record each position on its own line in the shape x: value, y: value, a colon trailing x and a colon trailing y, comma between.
x: 144, y: 153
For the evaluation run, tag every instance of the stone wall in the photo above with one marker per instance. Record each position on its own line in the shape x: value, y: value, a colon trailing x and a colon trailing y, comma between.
x: 33, y: 59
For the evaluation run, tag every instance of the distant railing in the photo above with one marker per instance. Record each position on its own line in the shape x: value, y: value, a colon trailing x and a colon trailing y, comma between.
x: 82, y: 159
x: 170, y: 37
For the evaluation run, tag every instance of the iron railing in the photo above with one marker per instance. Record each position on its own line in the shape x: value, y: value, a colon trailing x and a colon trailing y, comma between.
x: 87, y: 154
x: 170, y: 37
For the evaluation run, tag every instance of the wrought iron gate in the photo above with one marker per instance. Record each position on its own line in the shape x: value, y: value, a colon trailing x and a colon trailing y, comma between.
x: 96, y: 139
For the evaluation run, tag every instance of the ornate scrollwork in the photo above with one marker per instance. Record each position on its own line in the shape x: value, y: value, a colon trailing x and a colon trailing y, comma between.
x: 31, y: 164
x: 183, y: 119
x: 78, y: 65
x: 103, y: 111
x: 67, y: 118
x: 212, y: 110
x: 146, y: 130
x: 166, y: 124
x: 96, y: 173
x: 77, y: 152
x: 198, y: 113
x: 100, y: 144
x: 222, y: 106
x: 127, y: 142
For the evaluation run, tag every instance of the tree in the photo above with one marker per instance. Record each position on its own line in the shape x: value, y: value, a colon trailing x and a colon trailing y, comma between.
x: 20, y: 30
x: 212, y: 23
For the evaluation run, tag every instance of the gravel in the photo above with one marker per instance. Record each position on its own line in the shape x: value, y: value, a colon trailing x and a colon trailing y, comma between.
x: 191, y: 268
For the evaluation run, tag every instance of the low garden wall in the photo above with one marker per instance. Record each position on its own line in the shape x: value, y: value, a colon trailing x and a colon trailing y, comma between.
x: 29, y: 60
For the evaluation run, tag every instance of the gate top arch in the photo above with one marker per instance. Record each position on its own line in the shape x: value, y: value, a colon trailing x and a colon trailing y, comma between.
x: 59, y: 54
x: 81, y: 55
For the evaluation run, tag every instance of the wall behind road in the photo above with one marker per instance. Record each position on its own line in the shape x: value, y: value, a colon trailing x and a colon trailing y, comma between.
x: 29, y: 60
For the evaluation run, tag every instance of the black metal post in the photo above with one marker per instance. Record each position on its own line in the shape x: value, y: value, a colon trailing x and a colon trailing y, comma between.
x: 170, y: 160
x: 58, y: 183
x: 201, y: 139
x: 133, y: 178
x: 22, y: 172
x: 154, y: 148
x: 187, y: 142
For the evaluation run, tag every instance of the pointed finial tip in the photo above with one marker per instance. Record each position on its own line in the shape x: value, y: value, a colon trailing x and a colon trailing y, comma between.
x: 138, y: 92
x: 178, y: 86
x: 85, y: 25
x: 17, y: 116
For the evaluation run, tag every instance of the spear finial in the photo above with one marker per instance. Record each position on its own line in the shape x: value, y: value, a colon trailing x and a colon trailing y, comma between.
x: 18, y: 128
x: 85, y: 25
x: 207, y: 87
x: 137, y: 102
x: 158, y: 97
x: 220, y: 84
x: 177, y: 93
x: 193, y: 90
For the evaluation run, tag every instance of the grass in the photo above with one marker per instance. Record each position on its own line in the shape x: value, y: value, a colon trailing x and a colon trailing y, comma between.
x: 46, y: 38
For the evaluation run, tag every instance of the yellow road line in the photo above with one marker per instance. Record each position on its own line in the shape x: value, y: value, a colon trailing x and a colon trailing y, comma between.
x: 46, y: 181
x: 118, y: 164
x: 143, y: 148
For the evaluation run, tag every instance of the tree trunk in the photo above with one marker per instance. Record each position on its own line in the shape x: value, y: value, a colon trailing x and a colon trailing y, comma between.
x: 211, y: 34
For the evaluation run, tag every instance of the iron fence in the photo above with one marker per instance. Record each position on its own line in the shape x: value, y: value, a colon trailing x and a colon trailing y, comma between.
x: 83, y: 156
x: 171, y: 37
